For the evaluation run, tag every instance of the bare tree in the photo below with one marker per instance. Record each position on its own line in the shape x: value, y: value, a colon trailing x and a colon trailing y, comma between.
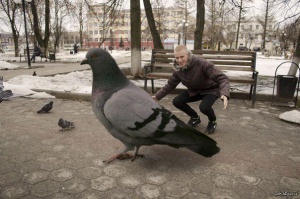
x: 135, y: 32
x: 111, y: 10
x: 60, y: 10
x: 215, y: 16
x: 269, y: 16
x: 40, y: 8
x: 242, y: 6
x: 10, y: 10
x: 151, y: 22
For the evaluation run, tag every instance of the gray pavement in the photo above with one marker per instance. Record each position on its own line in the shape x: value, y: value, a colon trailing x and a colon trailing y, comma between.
x: 259, y: 158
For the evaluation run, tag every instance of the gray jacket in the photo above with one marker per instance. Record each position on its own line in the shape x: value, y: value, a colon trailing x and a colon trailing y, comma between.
x: 200, y: 77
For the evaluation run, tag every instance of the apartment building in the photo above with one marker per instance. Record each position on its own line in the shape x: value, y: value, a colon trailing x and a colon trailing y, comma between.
x: 173, y: 29
x: 99, y: 28
x: 7, y: 42
x: 251, y: 34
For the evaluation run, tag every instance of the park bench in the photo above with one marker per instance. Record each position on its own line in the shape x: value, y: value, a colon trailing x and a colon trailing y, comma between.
x: 42, y: 55
x: 161, y: 66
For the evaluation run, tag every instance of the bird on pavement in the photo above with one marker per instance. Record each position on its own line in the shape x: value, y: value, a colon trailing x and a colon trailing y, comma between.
x: 46, y: 108
x: 5, y: 95
x: 133, y: 117
x: 34, y: 73
x: 65, y: 124
x: 1, y: 84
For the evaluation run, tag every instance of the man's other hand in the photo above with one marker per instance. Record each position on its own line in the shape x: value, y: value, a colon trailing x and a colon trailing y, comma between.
x: 225, y: 100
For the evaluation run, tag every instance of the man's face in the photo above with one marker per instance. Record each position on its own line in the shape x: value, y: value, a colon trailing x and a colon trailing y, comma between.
x: 181, y: 57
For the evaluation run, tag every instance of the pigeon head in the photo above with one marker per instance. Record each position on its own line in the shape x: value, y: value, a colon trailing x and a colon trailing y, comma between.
x: 106, y: 72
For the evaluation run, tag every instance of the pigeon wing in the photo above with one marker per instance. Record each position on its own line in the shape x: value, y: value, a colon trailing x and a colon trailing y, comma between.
x: 134, y: 113
x: 129, y: 110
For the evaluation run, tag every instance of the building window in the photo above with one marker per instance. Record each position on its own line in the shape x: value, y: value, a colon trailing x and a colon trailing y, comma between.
x: 91, y: 32
x: 96, y: 39
x: 256, y: 36
x: 250, y: 27
x: 95, y: 32
x: 257, y: 27
x: 242, y: 26
x: 270, y: 27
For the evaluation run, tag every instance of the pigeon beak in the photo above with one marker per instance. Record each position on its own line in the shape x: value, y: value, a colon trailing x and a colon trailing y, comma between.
x: 84, y: 61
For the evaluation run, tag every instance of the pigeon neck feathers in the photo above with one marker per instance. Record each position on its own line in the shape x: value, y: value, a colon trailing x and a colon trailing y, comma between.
x: 106, y: 73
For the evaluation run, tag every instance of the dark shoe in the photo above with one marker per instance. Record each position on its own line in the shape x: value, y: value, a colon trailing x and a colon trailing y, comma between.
x: 194, y: 121
x: 211, y: 127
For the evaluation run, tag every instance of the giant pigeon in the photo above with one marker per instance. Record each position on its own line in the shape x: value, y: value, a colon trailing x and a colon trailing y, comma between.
x: 133, y: 117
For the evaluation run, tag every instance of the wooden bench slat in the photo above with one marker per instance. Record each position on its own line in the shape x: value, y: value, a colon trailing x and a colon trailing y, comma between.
x: 231, y: 78
x: 245, y: 53
x: 171, y: 56
x: 234, y: 68
x: 232, y: 63
x: 163, y: 65
x: 218, y: 57
x: 162, y: 60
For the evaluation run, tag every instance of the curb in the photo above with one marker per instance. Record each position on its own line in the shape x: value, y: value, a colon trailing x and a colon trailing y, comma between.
x: 87, y: 97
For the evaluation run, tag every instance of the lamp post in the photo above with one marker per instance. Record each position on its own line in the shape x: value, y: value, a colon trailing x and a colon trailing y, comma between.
x: 111, y: 39
x: 25, y: 24
x: 184, y: 25
x: 283, y: 42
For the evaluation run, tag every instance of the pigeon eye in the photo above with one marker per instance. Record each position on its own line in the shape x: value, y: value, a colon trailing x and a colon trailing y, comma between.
x: 93, y: 55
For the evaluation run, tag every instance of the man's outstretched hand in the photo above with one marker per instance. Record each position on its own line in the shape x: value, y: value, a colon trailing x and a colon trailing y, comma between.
x: 153, y: 97
x: 225, y: 100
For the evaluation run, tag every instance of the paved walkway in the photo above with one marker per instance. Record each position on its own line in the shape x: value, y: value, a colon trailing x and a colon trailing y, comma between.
x: 259, y: 158
x: 49, y: 68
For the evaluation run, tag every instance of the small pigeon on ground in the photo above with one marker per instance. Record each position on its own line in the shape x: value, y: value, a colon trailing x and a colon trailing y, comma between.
x: 1, y: 84
x: 46, y: 108
x: 132, y: 116
x: 5, y: 95
x: 34, y: 73
x: 65, y: 124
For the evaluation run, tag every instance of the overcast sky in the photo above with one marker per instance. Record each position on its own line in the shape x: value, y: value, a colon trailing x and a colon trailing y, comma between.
x: 258, y: 7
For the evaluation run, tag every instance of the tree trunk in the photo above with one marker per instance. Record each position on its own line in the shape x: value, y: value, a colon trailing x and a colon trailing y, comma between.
x: 265, y: 28
x: 296, y: 58
x: 43, y: 43
x: 135, y: 34
x: 16, y: 39
x: 81, y: 21
x: 200, y: 21
x: 238, y: 28
x: 155, y: 35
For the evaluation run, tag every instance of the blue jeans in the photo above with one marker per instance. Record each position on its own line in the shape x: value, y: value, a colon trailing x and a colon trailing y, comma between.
x: 33, y: 56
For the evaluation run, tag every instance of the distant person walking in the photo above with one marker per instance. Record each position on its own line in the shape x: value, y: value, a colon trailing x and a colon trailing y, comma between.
x: 75, y: 48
